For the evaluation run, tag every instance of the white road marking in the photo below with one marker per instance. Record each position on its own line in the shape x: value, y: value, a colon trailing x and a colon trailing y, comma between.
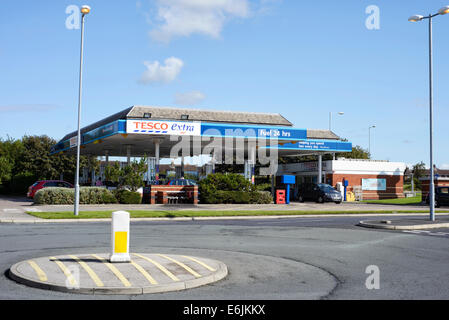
x: 427, y: 232
x: 12, y: 210
x: 34, y: 210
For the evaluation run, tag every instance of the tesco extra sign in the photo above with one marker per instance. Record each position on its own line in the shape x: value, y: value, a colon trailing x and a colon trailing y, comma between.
x: 163, y: 127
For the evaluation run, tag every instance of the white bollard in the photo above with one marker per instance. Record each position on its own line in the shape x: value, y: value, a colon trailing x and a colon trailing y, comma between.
x: 120, y: 237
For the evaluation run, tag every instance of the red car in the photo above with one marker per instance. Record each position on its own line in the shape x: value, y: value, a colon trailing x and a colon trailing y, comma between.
x: 45, y: 184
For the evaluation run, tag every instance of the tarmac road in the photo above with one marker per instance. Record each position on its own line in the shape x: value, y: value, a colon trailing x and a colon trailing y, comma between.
x: 289, y: 258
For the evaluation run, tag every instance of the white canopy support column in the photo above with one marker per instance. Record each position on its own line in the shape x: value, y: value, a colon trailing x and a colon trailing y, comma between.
x: 156, y: 155
x: 128, y: 154
x: 320, y: 169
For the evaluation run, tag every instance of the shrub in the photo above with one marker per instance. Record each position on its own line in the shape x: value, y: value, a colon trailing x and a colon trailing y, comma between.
x: 88, y: 195
x: 261, y: 197
x: 20, y: 183
x: 128, y: 197
x: 231, y: 188
x: 238, y: 197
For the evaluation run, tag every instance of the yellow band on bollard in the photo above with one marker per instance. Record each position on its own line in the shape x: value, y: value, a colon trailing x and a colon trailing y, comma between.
x: 121, y: 242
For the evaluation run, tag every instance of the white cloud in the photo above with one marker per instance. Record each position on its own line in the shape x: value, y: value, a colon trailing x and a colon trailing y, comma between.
x: 444, y: 166
x: 189, y: 98
x: 184, y: 17
x: 157, y: 73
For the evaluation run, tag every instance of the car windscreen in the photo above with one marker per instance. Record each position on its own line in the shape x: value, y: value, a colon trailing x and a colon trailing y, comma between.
x: 326, y: 187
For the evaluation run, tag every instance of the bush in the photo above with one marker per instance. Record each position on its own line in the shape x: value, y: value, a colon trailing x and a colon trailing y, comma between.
x: 231, y: 188
x: 88, y: 195
x: 128, y: 197
x: 261, y: 197
x: 20, y: 183
x: 238, y: 197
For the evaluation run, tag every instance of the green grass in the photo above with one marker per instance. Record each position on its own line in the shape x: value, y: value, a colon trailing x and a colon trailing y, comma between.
x: 404, y: 201
x: 210, y: 213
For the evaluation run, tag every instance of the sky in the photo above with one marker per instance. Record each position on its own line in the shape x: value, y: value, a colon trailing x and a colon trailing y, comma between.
x: 302, y: 59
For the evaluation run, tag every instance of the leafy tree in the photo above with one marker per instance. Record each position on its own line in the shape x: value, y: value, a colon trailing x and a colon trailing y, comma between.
x: 5, y: 169
x: 112, y: 173
x: 356, y: 153
x: 132, y: 175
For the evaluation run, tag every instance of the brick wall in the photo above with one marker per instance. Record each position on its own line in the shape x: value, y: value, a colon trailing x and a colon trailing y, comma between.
x: 438, y: 183
x: 394, y: 185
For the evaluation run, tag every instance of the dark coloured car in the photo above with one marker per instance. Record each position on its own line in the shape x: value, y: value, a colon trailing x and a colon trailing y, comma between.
x: 45, y: 184
x: 441, y: 197
x: 318, y: 192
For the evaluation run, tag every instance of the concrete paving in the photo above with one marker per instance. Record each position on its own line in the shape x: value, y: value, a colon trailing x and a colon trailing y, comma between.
x: 94, y: 274
x: 407, y: 224
x: 306, y: 206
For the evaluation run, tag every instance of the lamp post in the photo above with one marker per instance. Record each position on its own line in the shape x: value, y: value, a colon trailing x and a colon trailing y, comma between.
x: 330, y: 119
x: 84, y: 10
x: 417, y: 18
x: 369, y: 139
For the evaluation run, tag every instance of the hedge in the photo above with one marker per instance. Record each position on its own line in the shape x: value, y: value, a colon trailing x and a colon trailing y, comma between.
x: 237, y: 197
x: 128, y: 197
x: 88, y: 195
x: 231, y: 188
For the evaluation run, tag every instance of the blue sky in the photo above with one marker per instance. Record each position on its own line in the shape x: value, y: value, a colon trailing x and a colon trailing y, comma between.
x: 302, y: 59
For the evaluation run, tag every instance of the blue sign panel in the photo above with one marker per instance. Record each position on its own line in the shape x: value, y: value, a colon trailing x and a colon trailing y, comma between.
x: 374, y: 184
x: 241, y: 131
x: 318, y: 145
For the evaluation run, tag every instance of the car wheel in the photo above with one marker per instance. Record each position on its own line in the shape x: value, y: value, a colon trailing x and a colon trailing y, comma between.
x: 301, y: 199
x: 437, y: 204
x: 338, y: 202
x: 320, y: 199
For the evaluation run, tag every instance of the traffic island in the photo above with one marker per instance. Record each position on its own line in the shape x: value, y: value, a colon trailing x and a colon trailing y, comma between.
x: 406, y: 224
x: 95, y: 274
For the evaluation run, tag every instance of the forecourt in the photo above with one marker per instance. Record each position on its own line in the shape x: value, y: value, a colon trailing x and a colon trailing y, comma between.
x: 157, y: 131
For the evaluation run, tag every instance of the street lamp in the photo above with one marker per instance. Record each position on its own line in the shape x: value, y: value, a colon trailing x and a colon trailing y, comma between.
x: 330, y: 119
x: 417, y: 18
x: 369, y: 139
x: 84, y: 10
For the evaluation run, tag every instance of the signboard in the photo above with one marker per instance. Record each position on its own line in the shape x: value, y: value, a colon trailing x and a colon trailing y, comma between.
x: 73, y: 142
x: 241, y: 131
x: 161, y: 127
x: 374, y: 184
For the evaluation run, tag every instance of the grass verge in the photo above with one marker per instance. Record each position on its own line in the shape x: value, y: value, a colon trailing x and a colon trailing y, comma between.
x: 404, y: 201
x: 210, y: 213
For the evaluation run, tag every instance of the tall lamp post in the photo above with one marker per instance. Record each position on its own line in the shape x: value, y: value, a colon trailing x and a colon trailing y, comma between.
x: 330, y: 119
x: 84, y: 10
x: 369, y: 139
x: 417, y: 18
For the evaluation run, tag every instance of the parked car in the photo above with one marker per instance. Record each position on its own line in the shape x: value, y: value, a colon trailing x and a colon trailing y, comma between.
x: 181, y: 182
x: 318, y: 192
x: 441, y: 196
x: 45, y: 184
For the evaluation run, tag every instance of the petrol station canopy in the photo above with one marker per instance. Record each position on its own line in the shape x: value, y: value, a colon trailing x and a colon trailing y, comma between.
x: 135, y: 132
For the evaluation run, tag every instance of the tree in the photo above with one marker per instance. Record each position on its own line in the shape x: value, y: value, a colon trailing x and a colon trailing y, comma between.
x: 5, y: 169
x: 356, y: 153
x: 132, y: 175
x: 112, y: 173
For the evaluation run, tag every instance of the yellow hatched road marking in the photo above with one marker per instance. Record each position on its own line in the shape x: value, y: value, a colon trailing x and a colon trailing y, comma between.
x: 114, y: 270
x: 196, y: 274
x: 66, y: 271
x: 201, y: 263
x: 162, y: 268
x: 40, y: 273
x: 91, y: 273
x: 144, y: 273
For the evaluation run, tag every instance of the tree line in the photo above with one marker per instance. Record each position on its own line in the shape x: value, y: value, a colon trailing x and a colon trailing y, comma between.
x: 27, y: 160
